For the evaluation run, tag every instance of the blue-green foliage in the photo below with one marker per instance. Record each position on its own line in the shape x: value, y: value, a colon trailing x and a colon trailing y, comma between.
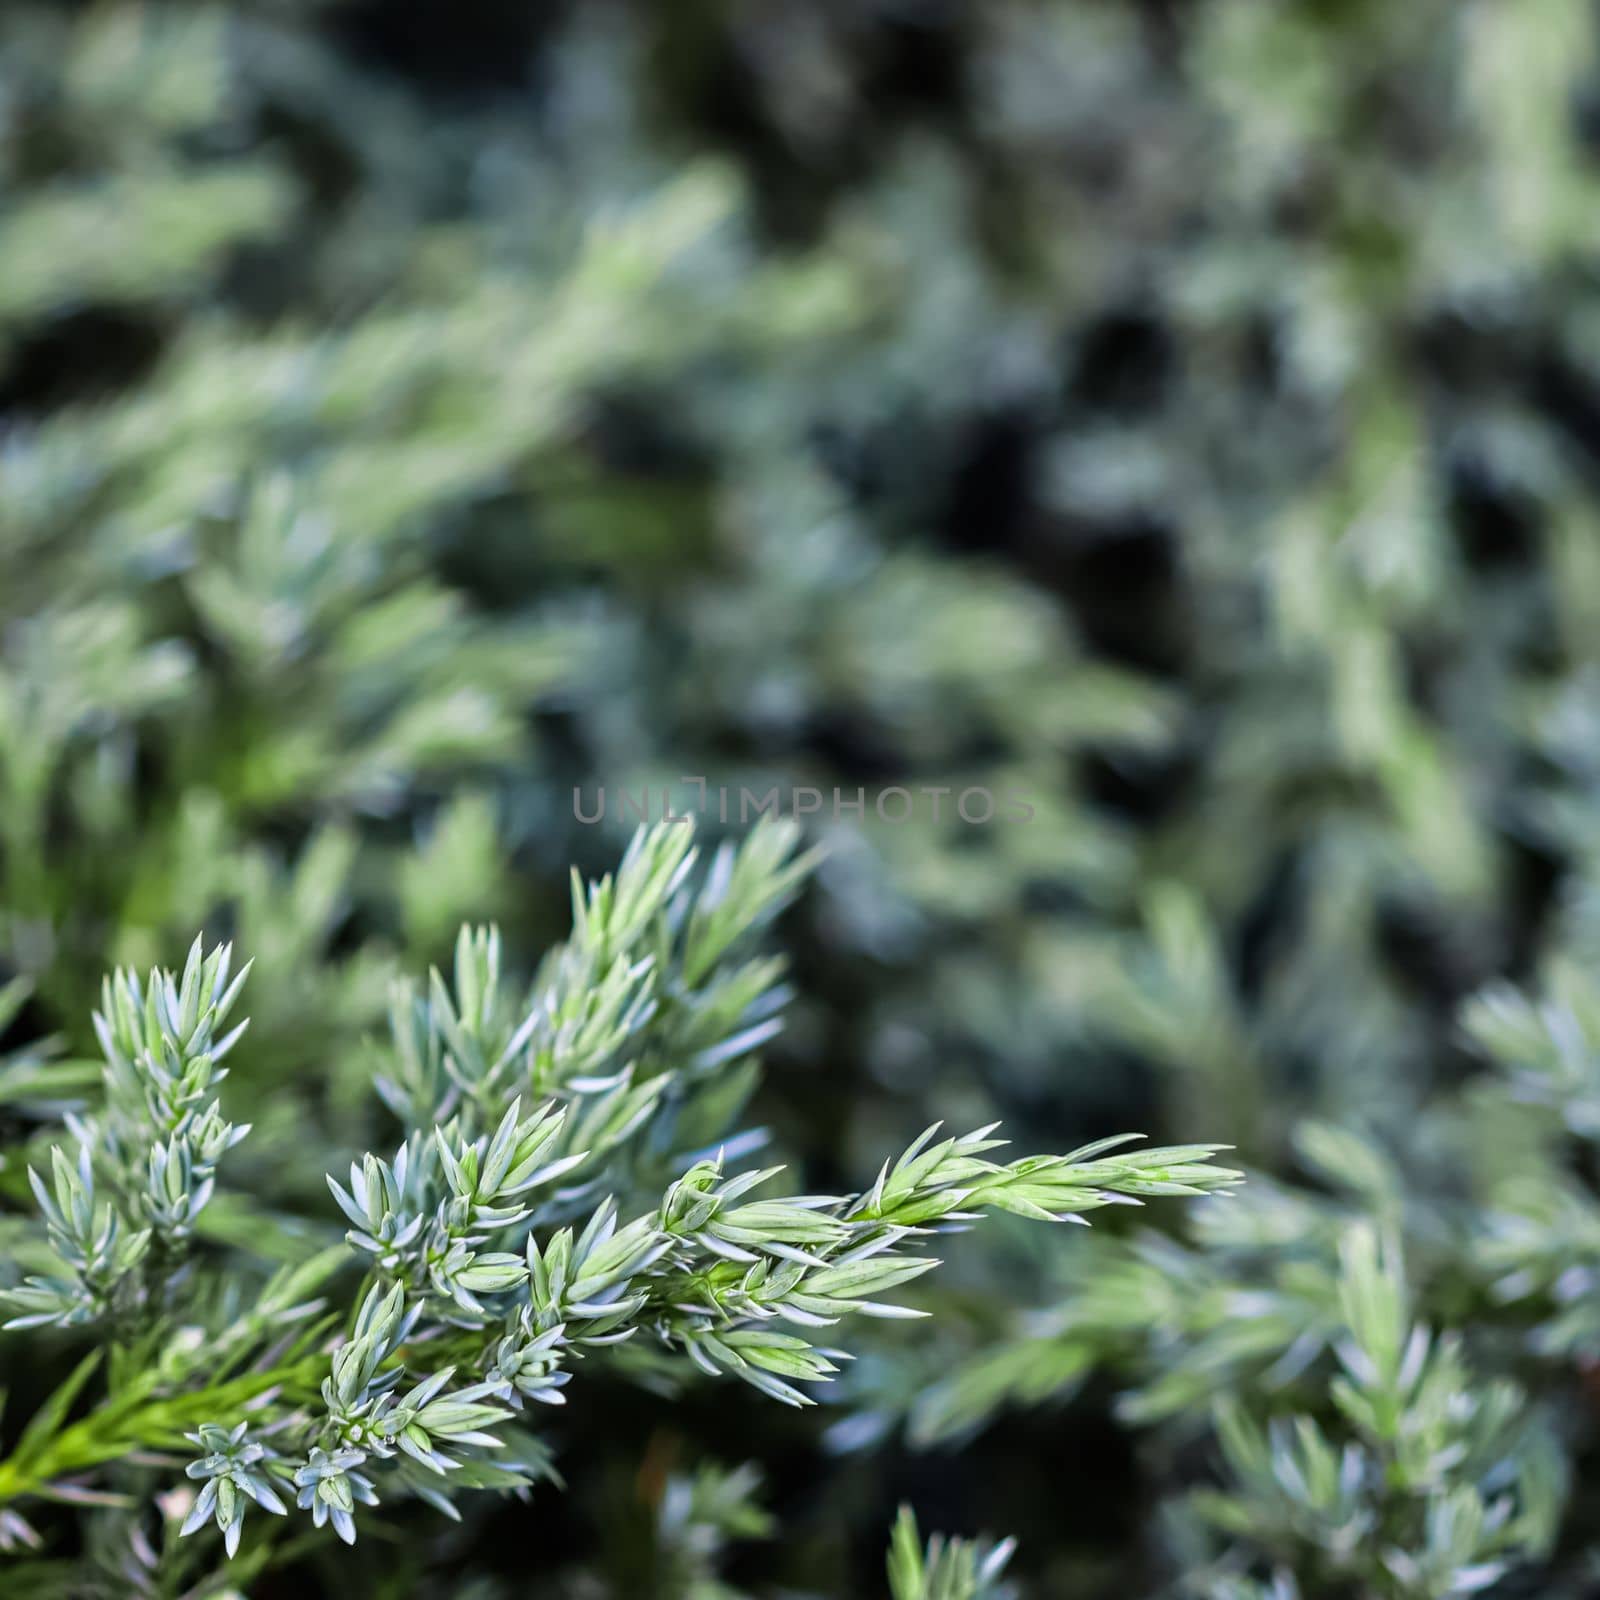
x: 1182, y: 417
x: 497, y: 1250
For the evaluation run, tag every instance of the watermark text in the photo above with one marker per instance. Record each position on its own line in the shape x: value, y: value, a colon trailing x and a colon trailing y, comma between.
x: 977, y: 805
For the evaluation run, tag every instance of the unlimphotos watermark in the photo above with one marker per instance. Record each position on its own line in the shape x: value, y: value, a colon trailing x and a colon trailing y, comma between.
x: 976, y: 805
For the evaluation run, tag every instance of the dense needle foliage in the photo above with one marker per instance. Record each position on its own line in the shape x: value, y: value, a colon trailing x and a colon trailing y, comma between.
x: 500, y: 1248
x: 1183, y: 416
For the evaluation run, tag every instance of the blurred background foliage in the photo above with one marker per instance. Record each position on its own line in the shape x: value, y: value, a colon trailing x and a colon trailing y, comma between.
x: 1185, y: 413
